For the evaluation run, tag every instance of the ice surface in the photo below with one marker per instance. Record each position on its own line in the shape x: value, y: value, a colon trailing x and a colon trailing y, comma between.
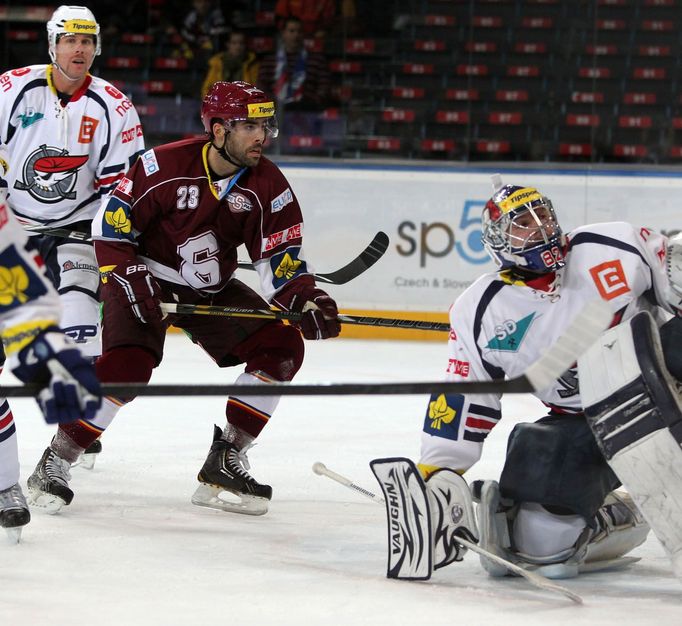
x: 131, y: 549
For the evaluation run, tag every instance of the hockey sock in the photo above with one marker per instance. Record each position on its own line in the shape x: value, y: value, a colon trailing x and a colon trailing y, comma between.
x: 250, y: 414
x: 9, y: 456
x: 127, y: 364
x: 64, y: 443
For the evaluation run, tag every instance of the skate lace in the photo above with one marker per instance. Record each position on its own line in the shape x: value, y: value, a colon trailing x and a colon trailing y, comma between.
x: 57, y: 468
x: 12, y: 498
x: 240, y: 462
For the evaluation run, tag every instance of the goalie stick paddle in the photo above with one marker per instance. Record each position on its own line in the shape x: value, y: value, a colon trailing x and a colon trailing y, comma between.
x: 533, y: 578
x: 361, y: 263
x: 291, y: 316
x: 580, y: 334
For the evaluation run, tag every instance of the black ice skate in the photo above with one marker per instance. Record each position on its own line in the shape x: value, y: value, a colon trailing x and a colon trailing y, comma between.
x: 89, y: 456
x: 48, y: 486
x: 14, y: 514
x: 225, y: 473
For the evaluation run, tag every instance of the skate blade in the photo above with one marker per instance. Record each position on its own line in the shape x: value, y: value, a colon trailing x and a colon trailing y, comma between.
x: 50, y: 503
x: 209, y: 496
x: 14, y: 535
x: 86, y: 461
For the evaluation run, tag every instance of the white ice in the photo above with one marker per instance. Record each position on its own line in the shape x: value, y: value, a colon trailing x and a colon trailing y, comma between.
x: 131, y: 549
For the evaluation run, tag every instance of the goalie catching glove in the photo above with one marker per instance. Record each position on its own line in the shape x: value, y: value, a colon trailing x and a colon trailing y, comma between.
x: 71, y: 390
x: 134, y: 286
x: 319, y: 314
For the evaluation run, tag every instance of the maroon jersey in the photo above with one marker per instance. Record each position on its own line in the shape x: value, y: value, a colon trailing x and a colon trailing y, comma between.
x: 186, y: 227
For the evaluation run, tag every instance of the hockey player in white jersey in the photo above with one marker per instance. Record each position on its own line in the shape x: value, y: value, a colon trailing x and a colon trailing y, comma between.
x: 38, y: 353
x: 554, y: 508
x: 70, y: 137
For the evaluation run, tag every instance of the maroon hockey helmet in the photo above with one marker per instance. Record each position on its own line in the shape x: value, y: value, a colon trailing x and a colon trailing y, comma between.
x: 232, y: 102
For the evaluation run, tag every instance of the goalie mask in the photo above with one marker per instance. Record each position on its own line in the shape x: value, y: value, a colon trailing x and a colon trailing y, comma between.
x: 237, y: 101
x: 520, y: 230
x: 71, y: 20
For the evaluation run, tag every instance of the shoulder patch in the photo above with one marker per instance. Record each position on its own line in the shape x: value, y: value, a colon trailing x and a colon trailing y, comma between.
x: 125, y: 186
x: 443, y: 415
x: 286, y: 197
x: 149, y: 162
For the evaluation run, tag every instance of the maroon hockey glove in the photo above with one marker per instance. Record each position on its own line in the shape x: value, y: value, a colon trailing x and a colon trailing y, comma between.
x: 134, y: 285
x: 319, y: 319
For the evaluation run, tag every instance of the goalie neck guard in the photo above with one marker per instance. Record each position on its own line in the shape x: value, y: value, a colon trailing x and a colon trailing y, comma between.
x: 71, y: 20
x: 520, y: 230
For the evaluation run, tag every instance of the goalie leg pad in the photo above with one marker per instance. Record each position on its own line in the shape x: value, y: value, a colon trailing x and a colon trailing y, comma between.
x: 494, y: 528
x: 634, y: 410
x: 410, y: 541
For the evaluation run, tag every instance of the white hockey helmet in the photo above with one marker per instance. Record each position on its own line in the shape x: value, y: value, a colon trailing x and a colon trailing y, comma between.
x: 71, y: 20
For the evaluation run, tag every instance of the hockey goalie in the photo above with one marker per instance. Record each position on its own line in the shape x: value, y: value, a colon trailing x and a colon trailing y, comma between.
x: 557, y: 508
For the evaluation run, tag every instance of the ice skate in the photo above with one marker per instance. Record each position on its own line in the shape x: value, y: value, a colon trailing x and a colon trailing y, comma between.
x: 14, y: 513
x: 48, y: 486
x: 89, y: 456
x: 225, y: 483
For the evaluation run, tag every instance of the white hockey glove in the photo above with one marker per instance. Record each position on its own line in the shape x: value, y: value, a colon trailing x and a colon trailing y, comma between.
x: 673, y: 260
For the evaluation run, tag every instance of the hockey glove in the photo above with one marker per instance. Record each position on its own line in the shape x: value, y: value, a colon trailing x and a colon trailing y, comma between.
x: 134, y: 286
x: 71, y: 390
x: 319, y: 319
x: 673, y: 260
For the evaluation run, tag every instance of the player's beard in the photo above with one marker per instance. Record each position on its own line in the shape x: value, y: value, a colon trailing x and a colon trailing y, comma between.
x: 238, y: 158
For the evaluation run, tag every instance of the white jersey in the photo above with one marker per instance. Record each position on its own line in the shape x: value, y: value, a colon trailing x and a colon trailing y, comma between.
x: 63, y: 159
x: 499, y: 327
x: 28, y: 302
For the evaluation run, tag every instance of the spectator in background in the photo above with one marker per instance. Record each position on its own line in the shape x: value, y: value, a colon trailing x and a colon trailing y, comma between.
x: 298, y: 78
x: 234, y: 63
x: 201, y: 30
x: 316, y: 16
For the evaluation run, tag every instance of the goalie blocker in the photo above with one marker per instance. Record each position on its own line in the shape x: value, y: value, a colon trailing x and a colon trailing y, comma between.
x: 633, y: 407
x: 424, y: 519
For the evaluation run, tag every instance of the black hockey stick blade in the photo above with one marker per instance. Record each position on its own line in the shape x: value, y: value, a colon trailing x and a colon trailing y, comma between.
x: 291, y: 316
x: 361, y: 263
x: 592, y: 320
x: 57, y: 231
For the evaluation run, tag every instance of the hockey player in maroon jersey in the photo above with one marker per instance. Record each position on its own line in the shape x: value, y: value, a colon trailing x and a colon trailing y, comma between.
x: 170, y: 233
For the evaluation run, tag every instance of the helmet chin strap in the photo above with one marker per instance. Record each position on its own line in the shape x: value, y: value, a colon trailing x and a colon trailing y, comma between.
x: 225, y: 154
x: 64, y: 74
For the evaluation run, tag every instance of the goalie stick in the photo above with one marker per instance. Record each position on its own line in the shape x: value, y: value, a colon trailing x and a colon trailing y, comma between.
x: 361, y: 263
x: 580, y: 334
x: 291, y: 316
x: 533, y: 578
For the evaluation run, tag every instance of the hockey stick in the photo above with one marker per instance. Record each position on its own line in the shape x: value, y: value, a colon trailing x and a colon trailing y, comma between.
x: 579, y: 335
x: 291, y: 316
x: 361, y: 263
x: 532, y: 577
x: 322, y: 470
